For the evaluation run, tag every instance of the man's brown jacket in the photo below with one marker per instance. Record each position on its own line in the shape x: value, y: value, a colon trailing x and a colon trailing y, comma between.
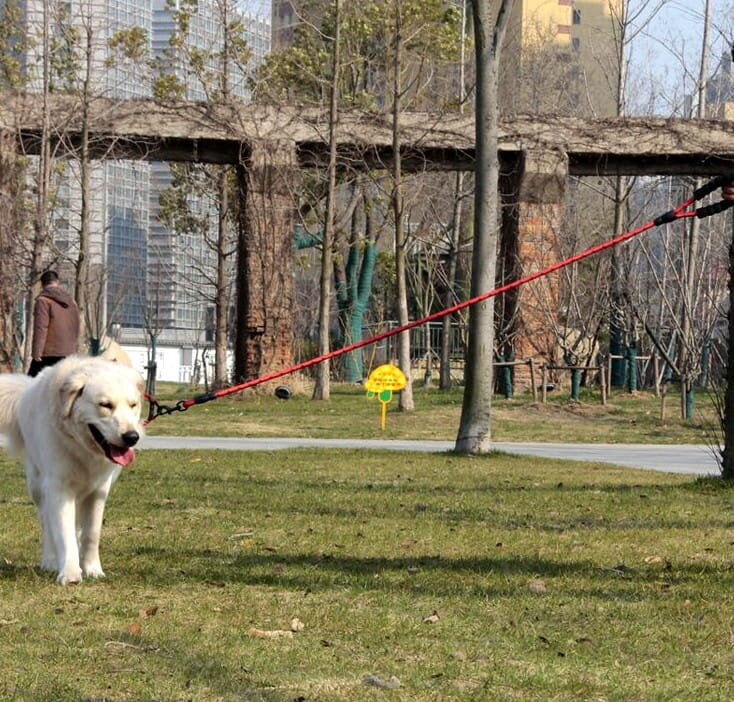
x: 55, y: 323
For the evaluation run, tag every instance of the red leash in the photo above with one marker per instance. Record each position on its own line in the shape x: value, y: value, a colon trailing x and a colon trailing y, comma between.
x: 682, y: 211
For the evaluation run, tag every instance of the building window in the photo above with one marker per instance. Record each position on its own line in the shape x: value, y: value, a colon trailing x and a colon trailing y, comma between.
x: 575, y: 43
x: 576, y: 15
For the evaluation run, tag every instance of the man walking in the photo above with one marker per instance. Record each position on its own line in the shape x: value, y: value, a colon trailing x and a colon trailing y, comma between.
x: 55, y: 324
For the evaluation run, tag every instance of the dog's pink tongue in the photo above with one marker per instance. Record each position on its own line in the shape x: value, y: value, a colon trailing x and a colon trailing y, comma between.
x: 123, y: 456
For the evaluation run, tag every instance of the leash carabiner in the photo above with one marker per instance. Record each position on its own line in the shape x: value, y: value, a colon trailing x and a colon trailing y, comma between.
x: 156, y: 409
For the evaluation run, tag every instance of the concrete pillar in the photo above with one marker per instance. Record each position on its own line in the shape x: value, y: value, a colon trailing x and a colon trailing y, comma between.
x: 533, y: 194
x: 266, y: 177
x: 9, y: 242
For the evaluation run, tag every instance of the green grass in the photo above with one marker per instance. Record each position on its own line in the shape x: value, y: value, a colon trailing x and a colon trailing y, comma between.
x: 349, y: 414
x: 551, y: 581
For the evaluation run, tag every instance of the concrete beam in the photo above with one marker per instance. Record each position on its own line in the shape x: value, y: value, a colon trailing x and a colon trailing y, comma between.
x: 216, y: 133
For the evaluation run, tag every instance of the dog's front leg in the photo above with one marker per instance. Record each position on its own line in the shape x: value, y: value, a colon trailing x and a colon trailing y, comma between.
x: 60, y: 519
x: 48, y: 548
x: 90, y: 515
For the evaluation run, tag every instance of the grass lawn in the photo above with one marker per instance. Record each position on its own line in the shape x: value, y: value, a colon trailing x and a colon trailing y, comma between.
x: 349, y: 414
x: 414, y: 577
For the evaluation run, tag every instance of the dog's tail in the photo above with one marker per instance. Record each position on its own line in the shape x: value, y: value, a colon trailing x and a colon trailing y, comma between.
x: 12, y: 386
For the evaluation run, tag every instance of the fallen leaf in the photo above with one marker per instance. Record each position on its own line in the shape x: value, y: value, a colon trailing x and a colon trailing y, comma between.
x: 255, y: 633
x: 537, y: 586
x: 379, y: 682
x: 148, y: 612
x: 654, y: 559
x: 296, y: 625
x: 432, y: 618
x: 135, y: 629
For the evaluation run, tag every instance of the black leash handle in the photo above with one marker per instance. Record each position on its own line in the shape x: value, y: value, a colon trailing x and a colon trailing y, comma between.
x: 708, y: 188
x: 713, y: 184
x: 717, y: 207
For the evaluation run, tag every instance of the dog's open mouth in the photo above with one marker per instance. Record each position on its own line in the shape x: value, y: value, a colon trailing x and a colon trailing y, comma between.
x: 122, y: 455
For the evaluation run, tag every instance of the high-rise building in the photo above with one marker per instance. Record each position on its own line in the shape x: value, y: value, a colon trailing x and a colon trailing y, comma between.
x: 151, y: 278
x: 720, y: 90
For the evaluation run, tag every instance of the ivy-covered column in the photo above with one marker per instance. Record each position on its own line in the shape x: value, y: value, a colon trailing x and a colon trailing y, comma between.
x: 264, y: 334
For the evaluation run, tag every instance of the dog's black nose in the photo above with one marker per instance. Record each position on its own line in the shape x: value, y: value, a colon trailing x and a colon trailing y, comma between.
x: 131, y: 438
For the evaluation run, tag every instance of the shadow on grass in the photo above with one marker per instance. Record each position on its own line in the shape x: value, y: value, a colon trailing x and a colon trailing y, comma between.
x: 434, y: 576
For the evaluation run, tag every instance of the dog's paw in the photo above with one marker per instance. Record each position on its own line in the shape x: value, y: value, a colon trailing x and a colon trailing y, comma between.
x: 93, y: 570
x: 70, y: 576
x: 48, y: 564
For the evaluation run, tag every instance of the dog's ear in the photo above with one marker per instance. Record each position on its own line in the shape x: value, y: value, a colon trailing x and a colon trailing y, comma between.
x: 70, y: 390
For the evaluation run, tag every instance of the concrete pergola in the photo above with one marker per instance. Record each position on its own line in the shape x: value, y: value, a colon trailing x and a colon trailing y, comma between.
x: 268, y: 144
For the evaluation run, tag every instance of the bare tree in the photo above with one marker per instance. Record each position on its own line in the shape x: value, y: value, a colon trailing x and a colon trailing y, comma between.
x: 321, y: 388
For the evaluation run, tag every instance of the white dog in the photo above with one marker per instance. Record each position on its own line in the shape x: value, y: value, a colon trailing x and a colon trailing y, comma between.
x: 75, y: 425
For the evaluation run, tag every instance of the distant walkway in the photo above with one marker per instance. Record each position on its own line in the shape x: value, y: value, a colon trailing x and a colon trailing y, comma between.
x: 670, y: 458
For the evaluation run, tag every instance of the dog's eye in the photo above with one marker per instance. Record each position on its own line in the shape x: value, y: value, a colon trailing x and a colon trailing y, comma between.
x: 107, y: 405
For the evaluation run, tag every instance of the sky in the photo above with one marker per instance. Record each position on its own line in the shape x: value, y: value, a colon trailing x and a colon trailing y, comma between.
x: 665, y: 54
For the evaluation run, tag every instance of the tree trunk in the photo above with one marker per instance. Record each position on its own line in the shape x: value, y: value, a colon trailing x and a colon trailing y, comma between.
x: 40, y: 223
x: 222, y: 298
x: 401, y: 282
x: 475, y: 426
x: 450, y: 297
x: 688, y: 358
x: 321, y: 388
x: 617, y: 312
x: 81, y: 286
x: 444, y: 381
x: 8, y: 245
x: 727, y: 458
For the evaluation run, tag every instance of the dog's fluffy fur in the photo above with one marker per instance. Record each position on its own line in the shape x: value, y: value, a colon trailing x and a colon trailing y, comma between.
x: 74, y: 425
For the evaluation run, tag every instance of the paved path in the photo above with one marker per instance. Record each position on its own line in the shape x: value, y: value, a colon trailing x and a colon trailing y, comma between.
x: 669, y: 458
x: 695, y: 459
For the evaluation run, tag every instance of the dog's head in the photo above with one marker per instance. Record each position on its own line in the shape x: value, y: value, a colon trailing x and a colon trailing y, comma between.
x: 100, y: 404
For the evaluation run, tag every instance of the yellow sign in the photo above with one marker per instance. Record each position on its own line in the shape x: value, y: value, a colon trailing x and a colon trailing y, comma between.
x: 382, y: 381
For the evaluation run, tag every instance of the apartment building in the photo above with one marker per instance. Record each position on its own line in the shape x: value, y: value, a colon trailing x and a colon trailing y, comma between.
x: 561, y: 56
